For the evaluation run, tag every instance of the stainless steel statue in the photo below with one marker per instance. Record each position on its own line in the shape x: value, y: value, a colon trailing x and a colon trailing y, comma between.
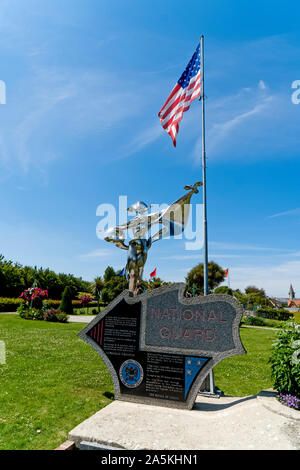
x: 170, y: 221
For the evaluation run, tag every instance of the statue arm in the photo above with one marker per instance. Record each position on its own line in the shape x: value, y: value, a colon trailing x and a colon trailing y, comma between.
x: 118, y: 242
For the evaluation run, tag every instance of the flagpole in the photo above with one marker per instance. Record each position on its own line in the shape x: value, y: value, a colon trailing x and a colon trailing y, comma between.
x: 209, y: 383
x: 205, y: 253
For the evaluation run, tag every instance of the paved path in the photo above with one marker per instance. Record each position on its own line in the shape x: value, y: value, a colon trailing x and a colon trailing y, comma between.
x: 81, y: 318
x: 72, y: 318
x: 226, y: 423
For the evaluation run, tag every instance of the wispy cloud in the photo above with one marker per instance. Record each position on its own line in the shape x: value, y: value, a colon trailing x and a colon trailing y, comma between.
x: 196, y: 256
x: 99, y: 253
x: 235, y: 115
x: 143, y: 139
x: 72, y: 102
x: 285, y: 213
x: 242, y: 247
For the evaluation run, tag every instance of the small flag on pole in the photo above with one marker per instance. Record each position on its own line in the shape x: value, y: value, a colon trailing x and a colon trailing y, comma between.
x: 121, y: 273
x: 226, y: 272
x: 153, y: 274
x: 186, y: 90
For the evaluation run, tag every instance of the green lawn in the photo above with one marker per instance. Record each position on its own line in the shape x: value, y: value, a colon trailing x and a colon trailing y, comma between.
x: 52, y: 380
x: 297, y: 316
x: 247, y: 374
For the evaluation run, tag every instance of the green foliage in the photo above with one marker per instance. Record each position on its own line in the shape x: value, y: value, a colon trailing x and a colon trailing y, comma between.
x: 154, y: 283
x: 30, y: 313
x: 259, y: 321
x: 109, y: 273
x: 252, y: 299
x: 113, y: 288
x: 285, y: 371
x: 97, y: 287
x: 255, y: 290
x: 66, y: 305
x: 55, y: 315
x: 15, y: 278
x: 195, y: 278
x: 223, y: 290
x: 255, y: 321
x: 9, y: 305
x: 274, y: 314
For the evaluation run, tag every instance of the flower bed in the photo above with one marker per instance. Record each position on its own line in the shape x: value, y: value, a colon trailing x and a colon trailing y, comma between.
x: 289, y: 400
x: 33, y: 307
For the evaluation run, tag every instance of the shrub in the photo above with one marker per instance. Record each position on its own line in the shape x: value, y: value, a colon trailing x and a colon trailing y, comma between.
x: 66, y: 305
x: 285, y: 368
x: 62, y: 317
x: 274, y: 314
x: 55, y: 315
x: 52, y: 303
x: 9, y: 305
x: 24, y: 311
x: 255, y: 321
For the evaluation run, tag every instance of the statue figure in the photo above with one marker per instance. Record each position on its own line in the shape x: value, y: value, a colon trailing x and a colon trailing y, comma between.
x: 171, y: 221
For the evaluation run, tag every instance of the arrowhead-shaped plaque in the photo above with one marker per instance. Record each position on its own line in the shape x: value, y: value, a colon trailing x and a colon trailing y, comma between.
x: 160, y: 346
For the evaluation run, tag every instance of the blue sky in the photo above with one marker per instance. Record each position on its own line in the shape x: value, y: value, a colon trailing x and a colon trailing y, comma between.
x: 85, y: 80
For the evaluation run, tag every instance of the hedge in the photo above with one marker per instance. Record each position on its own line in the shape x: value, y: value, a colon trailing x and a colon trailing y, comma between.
x: 11, y: 304
x: 274, y: 314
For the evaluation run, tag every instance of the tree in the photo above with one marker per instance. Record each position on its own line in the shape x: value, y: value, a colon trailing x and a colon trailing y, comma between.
x: 66, y: 305
x: 195, y: 277
x: 255, y: 290
x: 156, y: 282
x: 113, y: 288
x: 15, y: 278
x: 97, y: 288
x: 109, y: 273
x: 223, y: 290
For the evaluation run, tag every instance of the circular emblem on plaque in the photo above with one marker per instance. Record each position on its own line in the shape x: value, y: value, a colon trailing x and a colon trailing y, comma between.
x: 131, y: 373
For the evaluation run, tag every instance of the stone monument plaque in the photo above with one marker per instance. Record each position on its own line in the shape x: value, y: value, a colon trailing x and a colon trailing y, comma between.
x: 159, y: 346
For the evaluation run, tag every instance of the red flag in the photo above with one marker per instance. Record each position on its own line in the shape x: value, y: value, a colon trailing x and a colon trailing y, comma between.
x: 153, y: 274
x: 226, y: 272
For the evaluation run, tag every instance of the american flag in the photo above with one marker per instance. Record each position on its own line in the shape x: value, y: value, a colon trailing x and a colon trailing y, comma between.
x: 186, y: 90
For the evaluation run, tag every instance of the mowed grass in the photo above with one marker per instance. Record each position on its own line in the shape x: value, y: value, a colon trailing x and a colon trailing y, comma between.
x: 247, y: 374
x: 297, y: 316
x: 52, y: 380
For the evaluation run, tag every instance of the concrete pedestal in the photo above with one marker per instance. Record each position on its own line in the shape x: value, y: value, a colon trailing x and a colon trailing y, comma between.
x: 254, y: 422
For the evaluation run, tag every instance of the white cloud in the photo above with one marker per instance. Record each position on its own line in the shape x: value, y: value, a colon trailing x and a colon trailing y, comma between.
x: 242, y: 107
x: 241, y: 247
x: 289, y: 212
x: 262, y: 85
x: 274, y: 279
x: 99, y: 253
x: 144, y: 138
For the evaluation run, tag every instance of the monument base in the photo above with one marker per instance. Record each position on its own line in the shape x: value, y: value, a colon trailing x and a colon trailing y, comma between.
x: 228, y: 423
x: 208, y: 388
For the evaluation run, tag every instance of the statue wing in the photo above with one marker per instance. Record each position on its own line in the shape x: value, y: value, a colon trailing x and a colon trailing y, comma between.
x: 174, y: 218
